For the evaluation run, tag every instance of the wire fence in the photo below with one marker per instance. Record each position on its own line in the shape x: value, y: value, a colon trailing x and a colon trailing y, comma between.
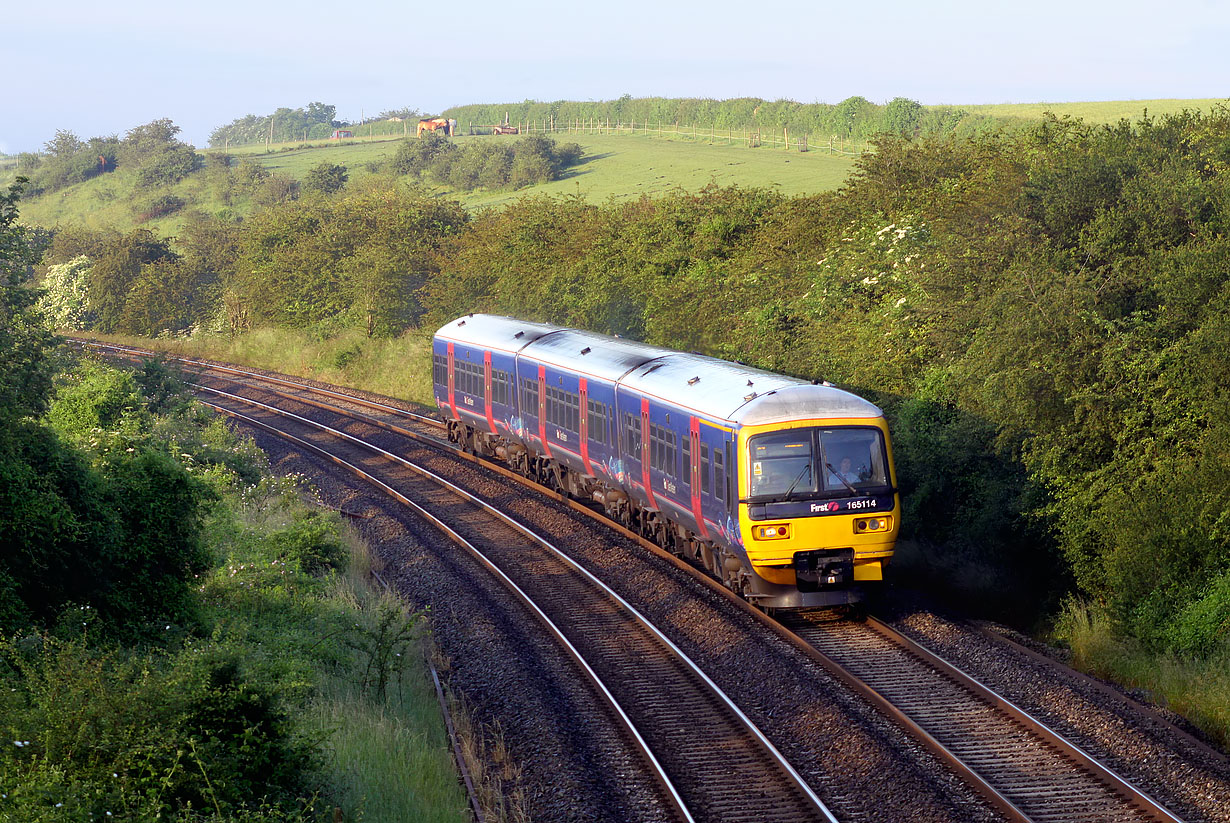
x: 754, y: 137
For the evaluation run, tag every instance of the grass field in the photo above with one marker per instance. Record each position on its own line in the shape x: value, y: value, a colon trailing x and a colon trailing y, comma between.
x: 618, y: 166
x: 615, y: 165
x: 1097, y: 112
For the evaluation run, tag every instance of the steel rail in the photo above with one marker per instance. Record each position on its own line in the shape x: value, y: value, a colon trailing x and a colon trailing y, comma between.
x: 714, y: 689
x: 660, y: 775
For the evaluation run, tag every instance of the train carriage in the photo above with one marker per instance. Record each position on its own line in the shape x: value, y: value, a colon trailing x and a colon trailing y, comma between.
x: 783, y: 489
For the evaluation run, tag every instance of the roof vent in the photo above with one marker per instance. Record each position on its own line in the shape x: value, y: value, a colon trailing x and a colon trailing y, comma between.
x: 749, y: 396
x: 518, y: 334
x: 462, y: 323
x: 586, y: 350
x: 694, y: 380
x: 749, y: 382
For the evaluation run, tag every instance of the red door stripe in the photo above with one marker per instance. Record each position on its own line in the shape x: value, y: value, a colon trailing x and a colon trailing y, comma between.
x: 542, y: 409
x: 487, y: 386
x: 452, y: 382
x: 694, y: 474
x: 583, y: 413
x: 645, y: 444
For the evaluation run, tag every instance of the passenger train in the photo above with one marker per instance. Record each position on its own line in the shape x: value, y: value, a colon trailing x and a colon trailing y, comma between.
x: 783, y: 489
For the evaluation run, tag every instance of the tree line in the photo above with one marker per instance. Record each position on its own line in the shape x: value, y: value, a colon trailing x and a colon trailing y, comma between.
x: 1042, y: 312
x: 855, y: 117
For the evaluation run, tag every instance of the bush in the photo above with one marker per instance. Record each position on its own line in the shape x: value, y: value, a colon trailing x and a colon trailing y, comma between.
x: 277, y: 189
x: 312, y: 543
x: 116, y: 734
x: 160, y: 206
x: 326, y: 178
x: 487, y: 164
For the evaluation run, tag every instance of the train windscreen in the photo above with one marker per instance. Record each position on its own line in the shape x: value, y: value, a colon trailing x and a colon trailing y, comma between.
x: 796, y: 464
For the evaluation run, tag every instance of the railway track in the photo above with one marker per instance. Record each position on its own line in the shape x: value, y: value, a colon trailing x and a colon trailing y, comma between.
x: 1023, y: 769
x: 705, y: 754
x: 1031, y: 772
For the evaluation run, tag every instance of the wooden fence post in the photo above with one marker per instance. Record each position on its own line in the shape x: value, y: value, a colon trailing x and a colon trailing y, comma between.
x: 786, y: 137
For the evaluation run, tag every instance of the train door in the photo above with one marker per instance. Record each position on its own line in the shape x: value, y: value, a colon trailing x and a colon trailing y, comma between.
x: 487, y: 392
x: 693, y: 473
x: 452, y: 381
x: 583, y: 424
x: 542, y: 410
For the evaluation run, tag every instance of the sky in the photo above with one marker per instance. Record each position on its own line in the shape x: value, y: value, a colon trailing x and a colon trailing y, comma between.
x: 99, y: 69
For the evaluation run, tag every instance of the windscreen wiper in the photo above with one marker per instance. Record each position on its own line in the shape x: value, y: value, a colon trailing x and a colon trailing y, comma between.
x: 843, y: 480
x: 805, y: 470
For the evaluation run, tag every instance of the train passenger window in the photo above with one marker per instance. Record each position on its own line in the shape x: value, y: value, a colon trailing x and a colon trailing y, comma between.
x: 662, y: 450
x: 529, y: 397
x: 685, y: 474
x: 704, y: 467
x: 632, y: 435
x: 500, y: 383
x: 469, y: 379
x: 439, y: 370
x: 719, y: 475
x: 597, y: 414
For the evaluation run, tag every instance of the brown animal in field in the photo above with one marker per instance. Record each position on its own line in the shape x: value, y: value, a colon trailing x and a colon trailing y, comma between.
x: 435, y: 124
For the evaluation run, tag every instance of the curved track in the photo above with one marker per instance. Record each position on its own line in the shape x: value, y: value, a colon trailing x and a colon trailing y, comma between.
x: 710, y: 760
x: 1025, y: 770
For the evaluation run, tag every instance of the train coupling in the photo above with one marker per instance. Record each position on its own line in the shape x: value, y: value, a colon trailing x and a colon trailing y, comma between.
x: 818, y: 569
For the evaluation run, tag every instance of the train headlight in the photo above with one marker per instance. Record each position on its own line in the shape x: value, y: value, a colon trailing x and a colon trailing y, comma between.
x: 777, y: 531
x: 865, y: 525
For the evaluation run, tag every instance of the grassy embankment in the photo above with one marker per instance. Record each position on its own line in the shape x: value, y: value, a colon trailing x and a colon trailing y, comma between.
x: 1199, y: 690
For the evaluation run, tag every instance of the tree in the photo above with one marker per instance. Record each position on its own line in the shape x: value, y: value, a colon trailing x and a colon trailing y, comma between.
x: 65, y: 299
x: 64, y: 145
x: 404, y: 113
x: 853, y: 114
x: 157, y: 154
x: 321, y: 113
x: 116, y: 268
x: 902, y: 116
x: 326, y: 178
x: 25, y: 376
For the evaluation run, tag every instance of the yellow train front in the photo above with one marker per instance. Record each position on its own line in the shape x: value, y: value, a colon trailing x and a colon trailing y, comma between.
x: 818, y: 508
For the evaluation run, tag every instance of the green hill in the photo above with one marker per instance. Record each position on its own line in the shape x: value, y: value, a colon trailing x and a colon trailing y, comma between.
x: 616, y: 166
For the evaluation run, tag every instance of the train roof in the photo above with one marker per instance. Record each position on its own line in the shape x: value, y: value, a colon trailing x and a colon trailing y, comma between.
x: 714, y: 388
x: 489, y: 331
x: 598, y: 355
x: 742, y: 394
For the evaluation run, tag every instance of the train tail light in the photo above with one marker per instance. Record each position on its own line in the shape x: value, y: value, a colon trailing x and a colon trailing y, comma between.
x: 777, y: 531
x: 866, y: 525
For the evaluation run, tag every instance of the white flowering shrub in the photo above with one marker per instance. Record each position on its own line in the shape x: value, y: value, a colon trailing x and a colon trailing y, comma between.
x: 65, y: 301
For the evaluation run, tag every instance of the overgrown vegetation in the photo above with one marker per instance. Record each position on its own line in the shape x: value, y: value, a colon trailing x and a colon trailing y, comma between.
x: 177, y: 628
x: 153, y: 150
